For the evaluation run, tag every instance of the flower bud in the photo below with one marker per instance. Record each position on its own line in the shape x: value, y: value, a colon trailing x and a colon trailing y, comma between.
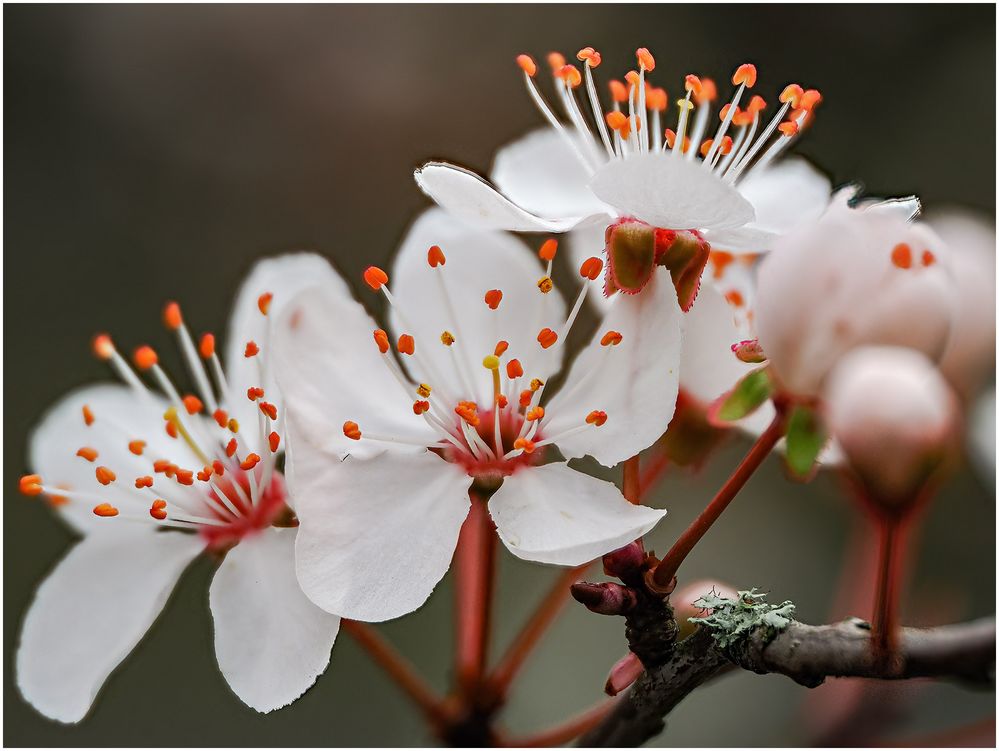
x: 607, y: 598
x: 624, y: 561
x: 895, y: 417
x: 684, y: 598
x: 623, y: 674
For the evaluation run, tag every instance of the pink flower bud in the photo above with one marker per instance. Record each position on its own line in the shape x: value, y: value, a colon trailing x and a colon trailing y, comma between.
x: 623, y: 674
x: 607, y: 598
x: 624, y: 561
x: 684, y: 598
x: 895, y: 417
x: 854, y: 277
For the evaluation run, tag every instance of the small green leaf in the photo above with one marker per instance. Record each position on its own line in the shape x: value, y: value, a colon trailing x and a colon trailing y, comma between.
x: 806, y: 435
x: 748, y: 394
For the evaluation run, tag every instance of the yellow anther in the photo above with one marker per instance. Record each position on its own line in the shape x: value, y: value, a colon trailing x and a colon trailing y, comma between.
x: 536, y: 383
x: 545, y: 284
x: 447, y: 338
x: 423, y: 390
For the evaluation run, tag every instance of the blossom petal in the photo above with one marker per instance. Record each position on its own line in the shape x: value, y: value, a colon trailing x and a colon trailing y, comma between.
x: 477, y: 260
x: 270, y: 640
x: 468, y: 196
x: 635, y: 382
x: 554, y: 514
x: 785, y: 194
x: 377, y: 535
x: 672, y: 193
x: 330, y: 371
x: 741, y: 239
x: 91, y: 612
x: 540, y: 173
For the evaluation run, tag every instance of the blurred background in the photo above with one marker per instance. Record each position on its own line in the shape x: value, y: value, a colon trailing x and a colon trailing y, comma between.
x: 155, y: 152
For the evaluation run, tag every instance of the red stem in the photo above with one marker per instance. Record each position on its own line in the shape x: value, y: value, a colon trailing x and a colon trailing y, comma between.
x: 653, y: 473
x: 632, y: 482
x: 669, y: 565
x: 476, y: 565
x: 884, y: 628
x: 398, y: 668
x: 568, y: 730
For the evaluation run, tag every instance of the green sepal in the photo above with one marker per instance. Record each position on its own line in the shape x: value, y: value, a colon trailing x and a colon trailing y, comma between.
x: 748, y: 395
x: 806, y: 435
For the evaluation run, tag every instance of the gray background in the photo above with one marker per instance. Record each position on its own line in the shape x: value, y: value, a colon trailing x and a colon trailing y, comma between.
x: 155, y: 152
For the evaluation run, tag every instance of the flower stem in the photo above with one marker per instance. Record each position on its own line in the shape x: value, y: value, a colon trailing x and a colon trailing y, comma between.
x: 398, y: 668
x: 884, y: 629
x: 568, y: 730
x: 653, y: 472
x: 669, y: 565
x: 476, y: 567
x: 632, y: 482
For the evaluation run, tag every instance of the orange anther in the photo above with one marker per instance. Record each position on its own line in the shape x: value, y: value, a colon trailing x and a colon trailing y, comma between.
x: 571, y: 75
x: 205, y: 474
x: 502, y: 401
x: 735, y: 298
x: 163, y: 466
x: 382, y: 340
x: 172, y: 318
x: 788, y: 128
x: 726, y: 144
x: 928, y: 258
x: 273, y: 440
x: 632, y: 79
x: 221, y: 417
x: 657, y: 99
x: 435, y: 256
x: 469, y: 412
x: 374, y: 277
x: 514, y: 369
x: 745, y: 74
x: 706, y: 146
x: 591, y: 268
x: 756, y: 104
x: 525, y: 397
x: 723, y: 112
x: 137, y: 447
x: 207, y: 345
x: 742, y: 118
x: 596, y: 417
x: 105, y: 509
x: 493, y: 298
x: 144, y: 482
x: 218, y: 467
x: 253, y: 393
x: 547, y: 337
x: 501, y: 347
x: 535, y: 413
x: 406, y: 344
x: 693, y: 84
x: 447, y: 338
x: 556, y: 61
x: 901, y: 256
x: 709, y: 92
x: 670, y: 137
x: 158, y: 509
x: 618, y: 91
x: 192, y: 404
x: 105, y: 476
x: 527, y: 64
x: 617, y: 121
x: 611, y: 339
x: 645, y: 60
x: 269, y: 409
x: 352, y: 430
x: 420, y: 406
x: 185, y: 476
x: 810, y: 100
x: 548, y: 249
x: 791, y: 94
x: 87, y: 453
x: 103, y: 346
x: 145, y: 357
x: 171, y: 429
x: 249, y: 462
x: 590, y: 56
x: 30, y: 485
x: 231, y: 447
x: 88, y: 415
x: 251, y: 349
x: 524, y: 445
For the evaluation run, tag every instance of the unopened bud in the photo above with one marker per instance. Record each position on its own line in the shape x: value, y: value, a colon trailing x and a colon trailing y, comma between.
x: 625, y: 561
x: 623, y: 674
x: 607, y: 598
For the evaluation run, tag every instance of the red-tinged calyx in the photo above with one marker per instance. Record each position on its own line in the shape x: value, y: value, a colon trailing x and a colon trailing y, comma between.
x: 749, y: 351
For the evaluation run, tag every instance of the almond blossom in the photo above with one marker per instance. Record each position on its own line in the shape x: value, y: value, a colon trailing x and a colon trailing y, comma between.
x: 460, y: 412
x: 150, y: 480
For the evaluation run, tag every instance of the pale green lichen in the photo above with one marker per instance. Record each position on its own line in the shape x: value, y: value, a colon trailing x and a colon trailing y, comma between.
x: 732, y: 622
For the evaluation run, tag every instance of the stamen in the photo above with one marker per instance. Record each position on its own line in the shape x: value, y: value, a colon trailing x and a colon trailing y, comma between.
x: 382, y: 340
x: 514, y: 369
x: 251, y: 349
x: 158, y: 509
x: 406, y: 344
x: 611, y: 338
x: 192, y: 404
x: 527, y: 65
x: 423, y: 390
x: 546, y: 338
x: 596, y: 417
x: 591, y: 268
x: 137, y: 447
x: 435, y: 256
x: 207, y: 345
x: 545, y: 284
x: 268, y: 409
x: 447, y: 338
x: 30, y: 485
x: 105, y: 510
x: 249, y: 462
x: 535, y: 413
x: 264, y: 302
x: 145, y: 481
x: 175, y: 322
x: 420, y: 406
x: 87, y: 453
x: 493, y: 298
x: 254, y: 393
x: 901, y: 256
x: 375, y: 278
x: 105, y: 476
x: 501, y: 348
x: 145, y: 357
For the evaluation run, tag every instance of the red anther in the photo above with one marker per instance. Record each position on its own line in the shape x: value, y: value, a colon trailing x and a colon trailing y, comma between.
x: 709, y: 92
x: 105, y: 476
x: 524, y: 445
x: 546, y: 338
x: 352, y: 430
x: 171, y: 429
x: 596, y: 417
x: 571, y: 75
x: 264, y: 302
x: 756, y: 104
x: 231, y: 447
x: 788, y: 128
x: 548, y: 249
x: 253, y: 393
x: 469, y: 412
x: 221, y: 417
x: 706, y: 146
x: 556, y: 61
x: 502, y: 401
x: 184, y: 476
x: 382, y: 340
x: 406, y: 344
x: 693, y: 84
x: 249, y: 462
x: 493, y: 298
x: 158, y: 509
x: 928, y: 258
x: 103, y: 346
x: 207, y: 345
x: 420, y: 406
x: 145, y: 481
x: 105, y: 509
x: 535, y: 413
x: 591, y: 268
x: 145, y: 357
x: 88, y: 416
x: 87, y: 453
x: 137, y: 447
x: 745, y: 74
x: 514, y: 369
x: 162, y: 466
x: 791, y: 94
x: 527, y: 64
x: 525, y: 397
x: 645, y: 60
x: 30, y: 485
x: 656, y: 99
x: 611, y: 338
x: 374, y: 277
x: 726, y: 144
x: 607, y: 598
x: 435, y: 256
x: 618, y: 91
x: 192, y: 404
x: 172, y: 318
x: 901, y: 256
x: 590, y: 56
x: 205, y: 474
x: 735, y: 298
x: 269, y: 409
x: 810, y: 100
x: 501, y: 347
x: 218, y: 467
x: 251, y: 349
x: 273, y: 441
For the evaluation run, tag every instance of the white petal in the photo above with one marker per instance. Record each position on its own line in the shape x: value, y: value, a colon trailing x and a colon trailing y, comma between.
x: 330, y: 371
x: 270, y: 640
x: 672, y: 193
x: 587, y: 241
x: 786, y: 194
x: 468, y: 196
x: 540, y: 173
x: 92, y: 611
x: 554, y: 514
x: 635, y: 382
x: 284, y: 277
x: 477, y: 260
x: 377, y: 535
x: 748, y: 239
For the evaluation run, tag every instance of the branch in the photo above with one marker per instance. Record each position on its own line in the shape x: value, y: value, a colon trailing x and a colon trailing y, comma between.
x: 808, y: 655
